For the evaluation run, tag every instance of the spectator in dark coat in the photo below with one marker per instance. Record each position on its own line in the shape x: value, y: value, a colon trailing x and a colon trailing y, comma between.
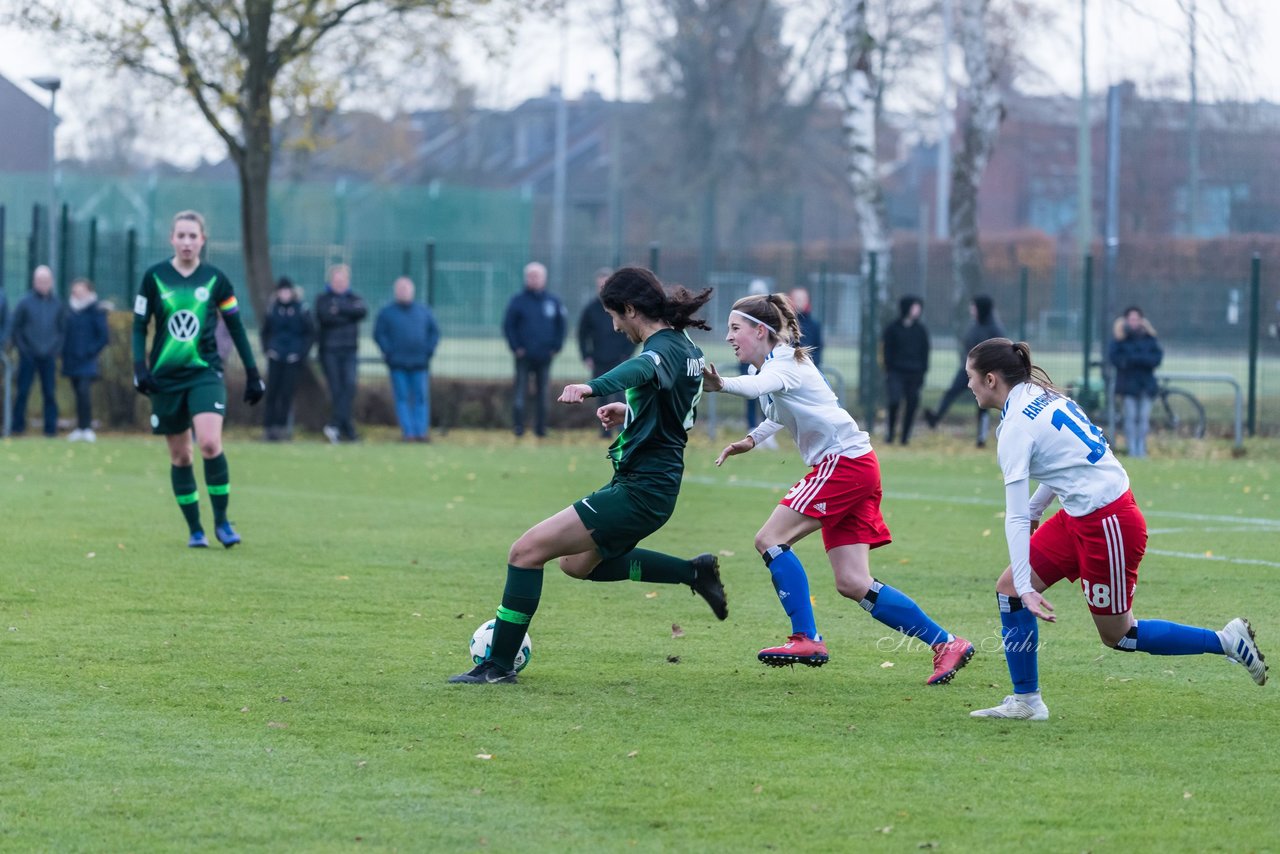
x: 339, y: 311
x: 810, y: 327
x: 86, y: 338
x: 906, y: 361
x: 1135, y: 354
x: 602, y: 347
x: 37, y: 330
x: 286, y: 335
x: 535, y: 328
x: 984, y: 326
x: 407, y: 335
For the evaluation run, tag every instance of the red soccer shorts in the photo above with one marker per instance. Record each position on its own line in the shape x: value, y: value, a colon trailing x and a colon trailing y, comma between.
x: 1101, y: 549
x: 844, y: 494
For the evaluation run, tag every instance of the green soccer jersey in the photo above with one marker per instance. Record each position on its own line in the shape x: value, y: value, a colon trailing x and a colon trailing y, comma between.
x: 663, y: 384
x: 185, y: 309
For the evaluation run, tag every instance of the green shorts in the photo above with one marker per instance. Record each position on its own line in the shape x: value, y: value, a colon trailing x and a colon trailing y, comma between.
x: 622, y: 514
x: 172, y: 411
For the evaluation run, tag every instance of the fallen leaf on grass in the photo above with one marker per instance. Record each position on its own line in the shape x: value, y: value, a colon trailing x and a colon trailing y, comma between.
x: 757, y: 790
x: 1186, y: 796
x: 673, y: 659
x: 726, y: 553
x: 676, y: 631
x: 652, y: 594
x: 484, y: 756
x: 344, y: 578
x: 633, y: 754
x: 888, y: 828
x: 886, y: 664
x: 243, y: 710
x: 277, y: 725
x: 91, y: 554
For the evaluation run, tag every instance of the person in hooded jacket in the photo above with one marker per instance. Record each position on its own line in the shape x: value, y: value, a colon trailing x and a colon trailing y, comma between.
x: 286, y: 335
x: 1135, y: 354
x: 87, y: 337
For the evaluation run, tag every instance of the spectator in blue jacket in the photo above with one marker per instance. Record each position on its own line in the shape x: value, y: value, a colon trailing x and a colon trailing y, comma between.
x: 535, y: 328
x: 286, y: 335
x: 37, y: 330
x: 407, y: 335
x: 86, y: 338
x: 1135, y: 354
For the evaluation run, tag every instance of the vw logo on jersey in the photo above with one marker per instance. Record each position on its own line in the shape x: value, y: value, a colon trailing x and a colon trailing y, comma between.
x: 184, y: 326
x: 202, y: 294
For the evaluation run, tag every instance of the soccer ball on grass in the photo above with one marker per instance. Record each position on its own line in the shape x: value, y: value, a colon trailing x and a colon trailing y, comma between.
x: 482, y: 640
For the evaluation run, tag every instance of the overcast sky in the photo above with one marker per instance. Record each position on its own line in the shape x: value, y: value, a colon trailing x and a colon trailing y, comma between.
x: 1122, y: 46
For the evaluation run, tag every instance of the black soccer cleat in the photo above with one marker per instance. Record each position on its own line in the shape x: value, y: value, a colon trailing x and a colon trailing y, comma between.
x: 486, y: 673
x: 707, y: 584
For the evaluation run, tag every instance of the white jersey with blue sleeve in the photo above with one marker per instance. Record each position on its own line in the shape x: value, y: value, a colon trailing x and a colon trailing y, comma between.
x: 1046, y: 437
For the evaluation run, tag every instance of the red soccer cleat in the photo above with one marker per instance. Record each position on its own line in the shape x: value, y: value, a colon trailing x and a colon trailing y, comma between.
x: 948, y: 658
x: 799, y: 649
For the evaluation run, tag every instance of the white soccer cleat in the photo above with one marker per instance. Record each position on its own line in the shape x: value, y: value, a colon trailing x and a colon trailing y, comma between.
x: 1239, y: 645
x: 1015, y: 709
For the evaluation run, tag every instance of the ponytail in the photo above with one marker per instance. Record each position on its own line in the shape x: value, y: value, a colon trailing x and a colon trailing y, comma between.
x: 1011, y: 361
x: 639, y: 288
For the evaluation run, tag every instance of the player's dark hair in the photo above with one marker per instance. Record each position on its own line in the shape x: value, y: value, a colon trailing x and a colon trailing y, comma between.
x: 640, y: 289
x: 777, y: 311
x: 904, y: 305
x: 1011, y: 361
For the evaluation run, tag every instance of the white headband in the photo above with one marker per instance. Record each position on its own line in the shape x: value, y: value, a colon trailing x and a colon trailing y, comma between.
x: 755, y: 320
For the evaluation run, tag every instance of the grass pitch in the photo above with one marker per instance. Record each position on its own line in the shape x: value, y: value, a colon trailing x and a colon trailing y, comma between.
x: 290, y: 694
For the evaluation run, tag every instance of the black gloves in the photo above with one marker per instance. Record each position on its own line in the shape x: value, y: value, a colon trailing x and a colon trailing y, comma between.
x: 143, y: 382
x: 254, y: 387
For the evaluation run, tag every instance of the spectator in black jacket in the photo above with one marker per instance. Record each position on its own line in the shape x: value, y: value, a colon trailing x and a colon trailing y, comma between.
x: 37, y: 330
x: 286, y: 335
x: 535, y: 329
x: 339, y: 311
x: 603, y: 348
x: 1135, y: 354
x: 984, y: 326
x: 906, y: 361
x: 86, y: 338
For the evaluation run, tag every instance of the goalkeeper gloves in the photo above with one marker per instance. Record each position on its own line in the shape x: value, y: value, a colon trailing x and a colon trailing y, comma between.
x: 254, y: 387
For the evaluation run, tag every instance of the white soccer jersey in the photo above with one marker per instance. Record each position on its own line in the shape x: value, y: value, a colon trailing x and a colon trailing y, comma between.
x: 1047, y: 437
x: 796, y: 395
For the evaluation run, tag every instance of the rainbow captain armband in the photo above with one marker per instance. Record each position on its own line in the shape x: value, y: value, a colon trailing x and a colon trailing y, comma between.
x: 229, y: 305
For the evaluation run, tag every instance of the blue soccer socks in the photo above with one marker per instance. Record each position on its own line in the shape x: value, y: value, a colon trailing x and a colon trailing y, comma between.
x: 898, y: 611
x: 1021, y: 634
x: 519, y: 603
x: 1160, y: 637
x: 792, y: 585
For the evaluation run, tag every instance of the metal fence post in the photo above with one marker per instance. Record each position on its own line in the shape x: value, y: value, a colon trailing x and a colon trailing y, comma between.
x: 867, y: 360
x: 431, y: 273
x: 64, y: 249
x: 93, y: 248
x: 1023, y: 281
x: 130, y: 262
x: 1086, y: 322
x: 1255, y: 321
x: 654, y: 257
x: 3, y: 238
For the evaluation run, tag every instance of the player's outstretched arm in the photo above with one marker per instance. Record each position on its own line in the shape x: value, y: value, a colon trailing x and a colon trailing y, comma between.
x: 732, y: 450
x: 574, y: 393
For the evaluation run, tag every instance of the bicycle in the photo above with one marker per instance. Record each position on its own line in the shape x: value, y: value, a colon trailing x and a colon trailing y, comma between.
x: 1178, y: 412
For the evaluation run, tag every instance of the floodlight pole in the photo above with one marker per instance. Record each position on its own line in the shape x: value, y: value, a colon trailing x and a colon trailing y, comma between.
x: 51, y: 85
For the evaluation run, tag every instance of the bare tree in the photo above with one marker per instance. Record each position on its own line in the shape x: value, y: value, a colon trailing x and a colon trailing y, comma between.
x: 982, y: 111
x: 859, y: 94
x: 238, y: 60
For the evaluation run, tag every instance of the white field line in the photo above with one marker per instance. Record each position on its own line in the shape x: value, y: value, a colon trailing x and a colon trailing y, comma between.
x: 1238, y: 523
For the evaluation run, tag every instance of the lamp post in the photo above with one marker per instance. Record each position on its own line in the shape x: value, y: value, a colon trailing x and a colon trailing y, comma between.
x: 51, y: 85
